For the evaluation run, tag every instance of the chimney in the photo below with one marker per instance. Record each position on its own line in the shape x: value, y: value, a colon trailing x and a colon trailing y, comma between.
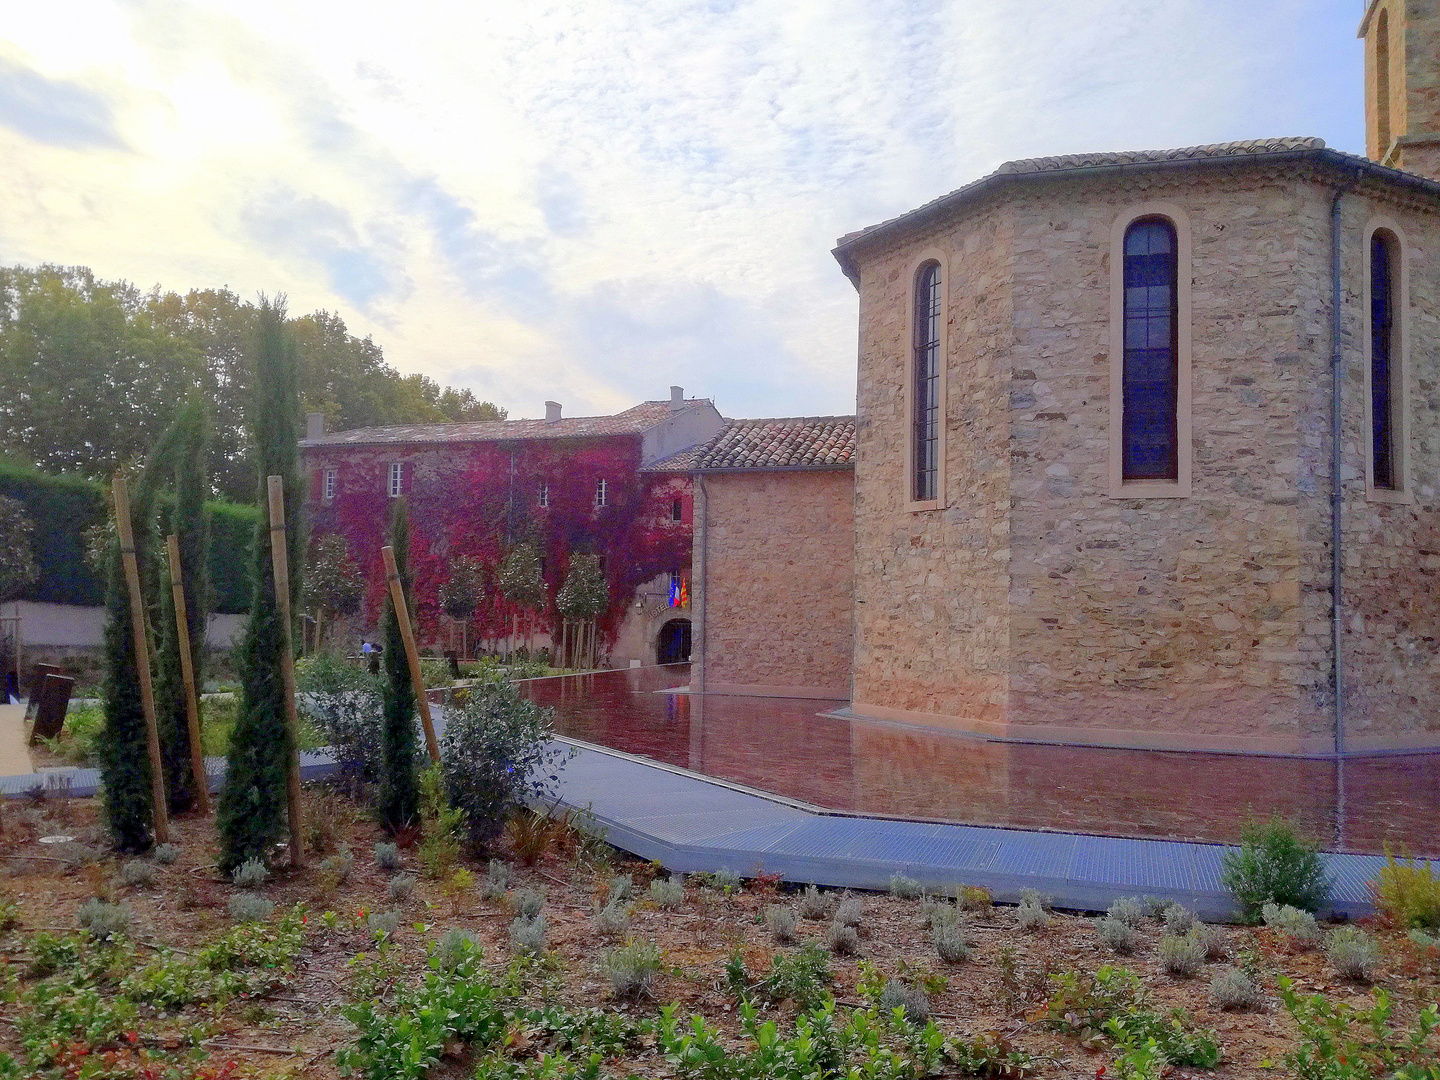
x: 314, y: 425
x: 677, y: 398
x: 552, y: 411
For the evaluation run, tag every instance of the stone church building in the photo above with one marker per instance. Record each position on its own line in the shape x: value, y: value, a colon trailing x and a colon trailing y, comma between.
x: 1147, y: 445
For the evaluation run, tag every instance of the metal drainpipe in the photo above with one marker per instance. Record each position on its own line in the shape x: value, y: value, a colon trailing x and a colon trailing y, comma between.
x: 1336, y: 481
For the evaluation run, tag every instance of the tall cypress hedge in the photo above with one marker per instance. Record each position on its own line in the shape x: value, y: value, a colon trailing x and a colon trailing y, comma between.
x: 399, y: 789
x: 251, y: 812
x: 187, y: 521
x: 63, y: 507
x: 120, y: 745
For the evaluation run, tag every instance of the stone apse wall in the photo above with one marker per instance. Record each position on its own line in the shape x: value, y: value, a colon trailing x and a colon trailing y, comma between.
x: 1033, y: 603
x: 776, y: 585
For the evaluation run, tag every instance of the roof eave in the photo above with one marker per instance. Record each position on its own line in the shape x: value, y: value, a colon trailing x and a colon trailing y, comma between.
x: 846, y: 251
x: 843, y: 466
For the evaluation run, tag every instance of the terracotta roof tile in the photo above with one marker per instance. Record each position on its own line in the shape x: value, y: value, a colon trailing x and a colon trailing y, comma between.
x: 796, y: 442
x: 632, y: 421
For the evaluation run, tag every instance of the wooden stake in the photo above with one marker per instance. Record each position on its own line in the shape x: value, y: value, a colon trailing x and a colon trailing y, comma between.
x: 187, y: 671
x: 402, y: 616
x: 125, y: 530
x: 280, y: 564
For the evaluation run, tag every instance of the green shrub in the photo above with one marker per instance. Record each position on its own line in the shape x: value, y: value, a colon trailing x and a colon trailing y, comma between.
x: 1353, y: 953
x: 344, y: 702
x: 842, y: 940
x: 65, y: 507
x: 387, y: 855
x: 1407, y: 894
x: 137, y: 874
x: 385, y: 923
x: 813, y: 903
x: 801, y: 976
x: 667, y: 894
x: 1031, y: 916
x: 975, y: 898
x: 250, y: 874
x: 1130, y: 910
x: 1179, y: 920
x: 632, y: 968
x: 850, y: 912
x: 103, y: 920
x: 782, y: 923
x: 399, y: 888
x: 528, y: 902
x: 1118, y: 934
x: 1298, y: 927
x: 911, y: 1000
x: 496, y: 754
x: 527, y: 936
x: 167, y: 854
x: 613, y: 920
x: 249, y: 908
x: 904, y: 888
x: 950, y: 942
x: 1181, y: 955
x: 1274, y: 865
x: 1234, y: 989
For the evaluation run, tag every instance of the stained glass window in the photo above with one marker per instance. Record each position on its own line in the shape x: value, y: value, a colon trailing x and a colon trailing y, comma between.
x: 1151, y: 378
x: 925, y: 419
x: 1382, y: 359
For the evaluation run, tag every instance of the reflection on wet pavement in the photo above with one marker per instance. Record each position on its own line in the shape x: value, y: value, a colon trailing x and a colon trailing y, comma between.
x: 785, y: 746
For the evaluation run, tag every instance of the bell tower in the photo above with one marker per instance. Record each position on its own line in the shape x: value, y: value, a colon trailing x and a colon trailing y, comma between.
x: 1402, y: 84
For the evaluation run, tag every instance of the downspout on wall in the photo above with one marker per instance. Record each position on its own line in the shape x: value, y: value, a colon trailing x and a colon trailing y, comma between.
x: 1337, y: 487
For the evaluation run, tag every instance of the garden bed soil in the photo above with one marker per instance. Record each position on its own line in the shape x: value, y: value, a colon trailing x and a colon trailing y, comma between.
x: 295, y: 1030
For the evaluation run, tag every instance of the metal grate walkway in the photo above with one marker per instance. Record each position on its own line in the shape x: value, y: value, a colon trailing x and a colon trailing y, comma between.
x: 691, y: 822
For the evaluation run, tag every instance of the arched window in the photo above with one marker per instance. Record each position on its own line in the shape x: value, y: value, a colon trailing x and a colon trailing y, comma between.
x: 925, y: 385
x: 1385, y: 397
x: 1382, y: 85
x: 1150, y: 379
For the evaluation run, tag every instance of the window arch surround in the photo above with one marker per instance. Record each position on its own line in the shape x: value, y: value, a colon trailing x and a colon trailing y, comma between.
x: 925, y: 380
x: 1387, y: 357
x: 1177, y: 483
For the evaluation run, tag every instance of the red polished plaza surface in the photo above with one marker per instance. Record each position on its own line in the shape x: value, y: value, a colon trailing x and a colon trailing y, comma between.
x: 787, y: 747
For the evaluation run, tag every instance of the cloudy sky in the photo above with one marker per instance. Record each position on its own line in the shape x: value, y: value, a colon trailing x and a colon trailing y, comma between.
x: 593, y: 199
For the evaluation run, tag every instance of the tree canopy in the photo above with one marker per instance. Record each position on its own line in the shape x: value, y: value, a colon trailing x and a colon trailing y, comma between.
x: 91, y: 373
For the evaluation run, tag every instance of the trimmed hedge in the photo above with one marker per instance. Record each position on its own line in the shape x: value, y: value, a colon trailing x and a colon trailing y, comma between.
x: 63, y: 507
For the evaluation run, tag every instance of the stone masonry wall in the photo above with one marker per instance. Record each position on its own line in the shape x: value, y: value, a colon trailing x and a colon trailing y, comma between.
x: 931, y: 622
x: 1175, y: 615
x: 1391, y: 644
x: 778, y: 583
x: 1035, y: 604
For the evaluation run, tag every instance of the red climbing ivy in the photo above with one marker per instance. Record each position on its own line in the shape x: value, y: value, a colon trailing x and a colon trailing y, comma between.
x: 477, y: 499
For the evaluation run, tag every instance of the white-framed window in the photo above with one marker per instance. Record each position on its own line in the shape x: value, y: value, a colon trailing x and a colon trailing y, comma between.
x: 602, y: 492
x: 397, y: 479
x: 327, y: 484
x: 542, y: 497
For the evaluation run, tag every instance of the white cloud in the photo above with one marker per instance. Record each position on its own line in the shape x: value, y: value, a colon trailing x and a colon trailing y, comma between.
x: 597, y: 198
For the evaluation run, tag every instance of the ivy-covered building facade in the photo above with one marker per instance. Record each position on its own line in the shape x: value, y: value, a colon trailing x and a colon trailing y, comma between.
x: 561, y: 486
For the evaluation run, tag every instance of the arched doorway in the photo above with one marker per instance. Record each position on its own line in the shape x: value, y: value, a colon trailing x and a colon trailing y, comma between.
x: 673, y: 645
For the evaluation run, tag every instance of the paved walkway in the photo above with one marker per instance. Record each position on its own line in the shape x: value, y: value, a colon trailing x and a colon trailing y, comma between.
x: 691, y: 822
x: 14, y: 758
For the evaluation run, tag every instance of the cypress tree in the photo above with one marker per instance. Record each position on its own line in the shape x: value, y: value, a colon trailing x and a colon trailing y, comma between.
x: 251, y: 811
x: 399, y: 790
x: 120, y: 745
x: 187, y: 522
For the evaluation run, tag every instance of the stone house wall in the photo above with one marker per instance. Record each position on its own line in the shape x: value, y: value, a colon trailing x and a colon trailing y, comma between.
x: 931, y: 619
x: 775, y: 588
x: 1034, y: 604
